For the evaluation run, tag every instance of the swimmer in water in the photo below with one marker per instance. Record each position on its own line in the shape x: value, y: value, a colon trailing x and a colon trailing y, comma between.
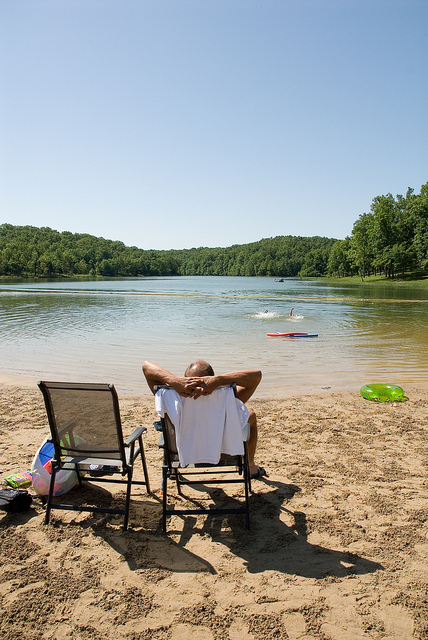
x: 291, y: 312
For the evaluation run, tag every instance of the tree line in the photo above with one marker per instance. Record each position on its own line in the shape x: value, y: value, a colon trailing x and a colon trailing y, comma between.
x: 42, y: 252
x: 391, y: 239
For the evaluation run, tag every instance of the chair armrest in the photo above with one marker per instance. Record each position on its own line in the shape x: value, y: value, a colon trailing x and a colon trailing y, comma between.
x: 67, y: 427
x: 246, y: 432
x: 135, y: 435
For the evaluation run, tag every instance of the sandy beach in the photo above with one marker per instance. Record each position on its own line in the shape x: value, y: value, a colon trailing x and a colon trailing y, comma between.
x: 338, y: 547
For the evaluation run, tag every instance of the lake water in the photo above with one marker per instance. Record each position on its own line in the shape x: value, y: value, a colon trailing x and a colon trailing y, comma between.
x: 103, y: 330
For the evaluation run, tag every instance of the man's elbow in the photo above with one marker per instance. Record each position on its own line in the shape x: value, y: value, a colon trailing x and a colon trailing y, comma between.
x: 257, y: 376
x: 146, y: 367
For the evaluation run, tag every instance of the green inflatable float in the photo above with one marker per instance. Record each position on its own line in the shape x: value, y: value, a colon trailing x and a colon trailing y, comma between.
x: 383, y: 393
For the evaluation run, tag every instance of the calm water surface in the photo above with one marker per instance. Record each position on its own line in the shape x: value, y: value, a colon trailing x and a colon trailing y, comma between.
x: 103, y: 330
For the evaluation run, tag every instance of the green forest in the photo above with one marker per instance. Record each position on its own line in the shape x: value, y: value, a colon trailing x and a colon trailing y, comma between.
x: 391, y: 240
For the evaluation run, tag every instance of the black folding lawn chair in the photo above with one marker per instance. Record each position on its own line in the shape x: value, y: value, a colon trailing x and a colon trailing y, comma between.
x: 86, y: 432
x: 229, y: 469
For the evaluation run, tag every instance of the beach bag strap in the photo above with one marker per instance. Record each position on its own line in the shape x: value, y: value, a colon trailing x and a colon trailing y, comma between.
x: 15, y: 500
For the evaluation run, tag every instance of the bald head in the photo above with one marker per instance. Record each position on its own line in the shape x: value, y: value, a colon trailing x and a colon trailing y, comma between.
x: 198, y: 369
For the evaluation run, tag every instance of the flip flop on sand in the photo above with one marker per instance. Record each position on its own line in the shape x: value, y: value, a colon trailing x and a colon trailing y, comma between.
x: 259, y: 474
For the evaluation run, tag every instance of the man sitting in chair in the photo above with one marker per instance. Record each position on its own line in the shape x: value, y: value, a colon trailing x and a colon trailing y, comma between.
x: 199, y: 380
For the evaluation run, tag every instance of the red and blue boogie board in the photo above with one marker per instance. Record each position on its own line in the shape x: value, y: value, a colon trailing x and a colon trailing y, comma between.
x: 292, y: 335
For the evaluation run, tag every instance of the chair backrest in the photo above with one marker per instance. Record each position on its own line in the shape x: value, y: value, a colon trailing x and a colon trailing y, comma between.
x: 84, y: 419
x: 170, y: 441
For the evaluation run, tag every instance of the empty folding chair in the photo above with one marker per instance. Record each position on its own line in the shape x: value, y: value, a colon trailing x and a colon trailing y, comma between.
x: 86, y: 432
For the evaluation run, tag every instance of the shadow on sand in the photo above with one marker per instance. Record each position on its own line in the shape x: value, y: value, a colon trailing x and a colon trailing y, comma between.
x: 272, y: 544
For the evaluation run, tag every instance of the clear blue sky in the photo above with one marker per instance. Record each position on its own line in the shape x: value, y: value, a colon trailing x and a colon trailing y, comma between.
x: 182, y: 123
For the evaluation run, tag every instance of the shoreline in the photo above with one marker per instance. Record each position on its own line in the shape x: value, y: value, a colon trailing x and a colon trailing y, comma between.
x: 30, y: 382
x: 338, y: 546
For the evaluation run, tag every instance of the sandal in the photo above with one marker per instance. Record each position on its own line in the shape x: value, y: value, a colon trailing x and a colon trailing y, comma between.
x: 259, y: 474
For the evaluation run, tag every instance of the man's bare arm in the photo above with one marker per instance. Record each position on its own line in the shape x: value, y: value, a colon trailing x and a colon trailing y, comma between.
x: 157, y: 375
x: 246, y: 383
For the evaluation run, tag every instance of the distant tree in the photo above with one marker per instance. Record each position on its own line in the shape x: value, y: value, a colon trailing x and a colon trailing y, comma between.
x: 340, y: 260
x: 418, y: 211
x: 361, y: 249
x: 315, y: 264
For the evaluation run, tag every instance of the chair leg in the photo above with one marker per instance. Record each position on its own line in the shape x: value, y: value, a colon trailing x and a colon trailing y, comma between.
x: 247, y: 466
x: 247, y: 504
x: 50, y: 495
x: 247, y: 486
x: 143, y: 460
x: 164, y: 496
x: 128, y: 499
x: 177, y: 481
x: 79, y: 477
